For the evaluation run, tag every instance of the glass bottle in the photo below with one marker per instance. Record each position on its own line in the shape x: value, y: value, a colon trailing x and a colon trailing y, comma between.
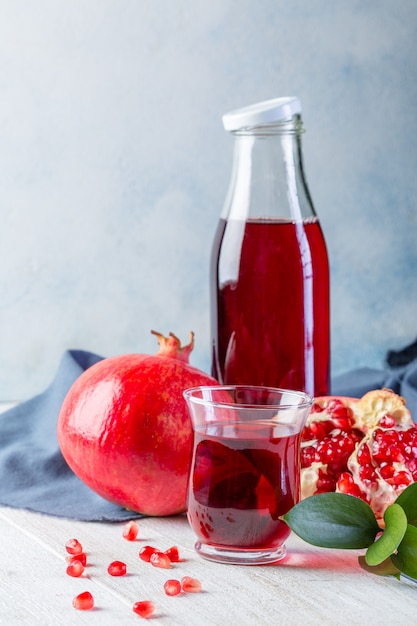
x: 269, y: 269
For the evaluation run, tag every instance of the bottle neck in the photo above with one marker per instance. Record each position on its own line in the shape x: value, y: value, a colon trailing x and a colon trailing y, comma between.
x: 268, y: 180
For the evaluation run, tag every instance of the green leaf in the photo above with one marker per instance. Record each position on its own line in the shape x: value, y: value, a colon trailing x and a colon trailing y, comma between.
x: 395, y: 526
x: 406, y: 557
x: 408, y: 501
x: 386, y: 568
x: 333, y: 520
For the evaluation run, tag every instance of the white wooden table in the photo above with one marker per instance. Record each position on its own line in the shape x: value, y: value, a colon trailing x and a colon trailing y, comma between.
x: 312, y: 586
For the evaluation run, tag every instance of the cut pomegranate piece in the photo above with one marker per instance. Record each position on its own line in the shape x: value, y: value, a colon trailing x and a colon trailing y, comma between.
x: 117, y: 568
x: 363, y: 447
x: 84, y: 601
x: 144, y: 608
x: 75, y: 569
x: 73, y: 546
x: 160, y: 559
x: 130, y: 531
x: 172, y: 587
x: 190, y: 585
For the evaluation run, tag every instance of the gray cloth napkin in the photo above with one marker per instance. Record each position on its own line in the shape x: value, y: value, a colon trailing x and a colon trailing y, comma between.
x: 402, y: 380
x: 33, y: 472
x: 35, y: 476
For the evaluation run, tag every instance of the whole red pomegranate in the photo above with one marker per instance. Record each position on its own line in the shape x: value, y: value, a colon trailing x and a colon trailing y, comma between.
x: 125, y: 431
x: 363, y: 447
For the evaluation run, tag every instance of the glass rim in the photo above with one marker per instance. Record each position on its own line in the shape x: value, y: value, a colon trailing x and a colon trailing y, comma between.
x: 307, y: 402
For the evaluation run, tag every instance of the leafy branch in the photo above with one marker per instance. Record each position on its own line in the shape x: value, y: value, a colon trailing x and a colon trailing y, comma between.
x: 336, y: 520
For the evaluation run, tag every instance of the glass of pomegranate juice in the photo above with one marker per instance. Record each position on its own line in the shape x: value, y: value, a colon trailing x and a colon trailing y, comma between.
x: 245, y: 471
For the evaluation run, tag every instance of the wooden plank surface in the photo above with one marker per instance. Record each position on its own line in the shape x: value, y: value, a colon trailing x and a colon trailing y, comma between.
x: 311, y: 586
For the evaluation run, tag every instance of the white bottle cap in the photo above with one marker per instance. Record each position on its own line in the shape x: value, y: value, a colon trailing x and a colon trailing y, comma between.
x: 266, y: 112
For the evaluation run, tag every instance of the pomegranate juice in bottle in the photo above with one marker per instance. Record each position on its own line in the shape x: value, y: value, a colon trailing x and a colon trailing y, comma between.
x: 269, y: 275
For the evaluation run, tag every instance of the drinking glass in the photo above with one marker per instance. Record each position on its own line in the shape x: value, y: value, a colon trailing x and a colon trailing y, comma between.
x: 245, y: 471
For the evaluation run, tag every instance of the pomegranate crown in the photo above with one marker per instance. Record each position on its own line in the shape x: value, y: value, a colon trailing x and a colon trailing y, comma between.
x: 171, y: 346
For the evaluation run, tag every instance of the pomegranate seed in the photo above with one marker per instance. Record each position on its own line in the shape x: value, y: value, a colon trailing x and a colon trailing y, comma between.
x: 83, y: 602
x: 159, y: 559
x: 394, y: 477
x: 308, y: 456
x: 326, y: 450
x: 172, y: 587
x: 409, y: 444
x: 409, y: 438
x: 82, y: 557
x: 364, y: 455
x: 145, y: 608
x: 130, y: 531
x: 386, y: 446
x: 340, y: 412
x: 412, y: 465
x: 317, y: 430
x: 146, y: 552
x: 324, y: 482
x: 344, y: 422
x: 75, y: 569
x: 367, y: 473
x: 346, y: 484
x: 316, y: 408
x: 386, y: 471
x: 117, y: 568
x: 73, y: 546
x: 386, y: 437
x: 400, y: 479
x: 173, y: 553
x: 190, y: 585
x: 387, y: 421
x: 334, y: 451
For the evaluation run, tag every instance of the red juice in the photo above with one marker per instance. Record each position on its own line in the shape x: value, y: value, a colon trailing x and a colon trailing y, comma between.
x: 243, y: 479
x: 270, y: 304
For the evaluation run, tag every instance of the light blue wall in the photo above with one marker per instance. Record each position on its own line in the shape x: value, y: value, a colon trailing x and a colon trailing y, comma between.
x: 114, y: 166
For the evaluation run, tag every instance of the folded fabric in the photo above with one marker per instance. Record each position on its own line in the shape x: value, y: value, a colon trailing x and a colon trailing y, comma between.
x: 402, y: 380
x: 35, y: 476
x: 33, y: 472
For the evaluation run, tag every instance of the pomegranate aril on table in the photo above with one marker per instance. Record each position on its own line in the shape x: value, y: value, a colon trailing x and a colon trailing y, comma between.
x: 73, y: 546
x: 117, y: 568
x: 172, y: 587
x: 75, y: 569
x: 146, y: 552
x: 131, y: 531
x: 77, y: 559
x: 144, y: 608
x: 160, y: 559
x: 173, y: 554
x: 190, y: 585
x: 82, y: 557
x: 84, y: 601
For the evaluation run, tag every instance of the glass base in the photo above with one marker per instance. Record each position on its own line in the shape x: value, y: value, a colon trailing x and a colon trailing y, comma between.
x: 240, y: 556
